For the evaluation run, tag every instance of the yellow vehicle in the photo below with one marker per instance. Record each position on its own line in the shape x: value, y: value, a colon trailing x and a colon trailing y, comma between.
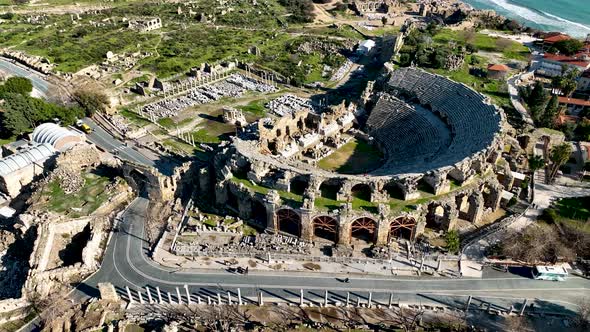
x: 84, y: 127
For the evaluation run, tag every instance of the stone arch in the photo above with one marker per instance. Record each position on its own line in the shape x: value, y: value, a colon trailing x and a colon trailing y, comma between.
x: 463, y: 205
x: 139, y: 182
x: 393, y: 190
x: 289, y: 221
x: 436, y: 213
x: 362, y: 191
x: 259, y: 212
x: 364, y: 229
x: 326, y: 227
x: 232, y: 200
x: 298, y: 184
x: 329, y: 189
x: 300, y: 125
x: 402, y: 227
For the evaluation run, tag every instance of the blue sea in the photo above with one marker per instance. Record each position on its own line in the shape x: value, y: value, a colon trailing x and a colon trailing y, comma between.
x: 569, y: 16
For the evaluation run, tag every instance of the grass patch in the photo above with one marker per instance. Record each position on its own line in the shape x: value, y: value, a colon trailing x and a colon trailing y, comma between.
x: 508, y: 48
x: 203, y: 136
x: 577, y: 208
x: 354, y: 157
x: 7, y: 140
x: 249, y: 230
x: 167, y: 123
x: 89, y: 198
x: 134, y: 118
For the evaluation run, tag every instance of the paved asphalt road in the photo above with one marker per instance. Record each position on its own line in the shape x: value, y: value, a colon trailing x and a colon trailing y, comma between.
x: 110, y: 144
x: 39, y: 82
x: 126, y: 264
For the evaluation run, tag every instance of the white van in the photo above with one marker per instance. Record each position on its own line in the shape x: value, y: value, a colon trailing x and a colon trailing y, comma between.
x: 554, y: 273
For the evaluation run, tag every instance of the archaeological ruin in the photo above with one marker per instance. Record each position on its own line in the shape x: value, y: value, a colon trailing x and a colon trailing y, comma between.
x: 439, y: 140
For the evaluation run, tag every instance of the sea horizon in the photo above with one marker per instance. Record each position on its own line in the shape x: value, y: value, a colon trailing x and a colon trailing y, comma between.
x: 567, y: 16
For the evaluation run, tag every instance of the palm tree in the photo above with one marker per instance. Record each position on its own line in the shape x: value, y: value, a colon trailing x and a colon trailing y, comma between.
x: 559, y: 155
x: 535, y: 164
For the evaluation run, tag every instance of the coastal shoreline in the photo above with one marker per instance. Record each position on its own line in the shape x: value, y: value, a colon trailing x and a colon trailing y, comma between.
x: 533, y: 18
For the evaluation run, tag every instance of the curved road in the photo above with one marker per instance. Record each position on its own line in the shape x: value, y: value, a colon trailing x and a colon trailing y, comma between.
x: 126, y: 264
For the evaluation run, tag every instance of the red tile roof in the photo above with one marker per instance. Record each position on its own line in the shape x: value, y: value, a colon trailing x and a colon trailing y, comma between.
x: 570, y: 60
x: 498, y: 67
x: 573, y: 101
x: 562, y: 119
x: 556, y: 38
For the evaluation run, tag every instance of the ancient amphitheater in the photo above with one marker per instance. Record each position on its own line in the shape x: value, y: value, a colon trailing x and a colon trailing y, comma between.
x: 440, y: 141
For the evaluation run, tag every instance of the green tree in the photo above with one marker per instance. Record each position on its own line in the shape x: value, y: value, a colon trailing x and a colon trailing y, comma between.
x: 20, y: 85
x: 536, y: 163
x: 582, y: 131
x: 536, y: 101
x: 559, y: 156
x: 91, y: 102
x: 452, y: 239
x: 567, y: 82
x: 567, y: 47
x: 551, y: 112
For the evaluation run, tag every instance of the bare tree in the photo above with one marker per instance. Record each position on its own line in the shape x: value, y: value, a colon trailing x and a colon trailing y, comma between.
x: 502, y: 44
x: 404, y: 318
x: 51, y: 308
x: 518, y: 324
x: 583, y: 314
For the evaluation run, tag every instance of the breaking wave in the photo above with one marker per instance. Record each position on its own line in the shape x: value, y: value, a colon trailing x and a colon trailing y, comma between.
x: 545, y: 20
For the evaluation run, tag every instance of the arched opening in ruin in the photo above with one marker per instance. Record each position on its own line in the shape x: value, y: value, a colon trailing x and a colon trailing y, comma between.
x: 72, y: 253
x: 394, y: 191
x: 326, y: 227
x: 463, y: 206
x: 361, y: 191
x: 434, y: 216
x: 139, y: 182
x: 288, y: 131
x: 364, y: 229
x: 489, y: 197
x: 300, y: 125
x: 278, y: 132
x: 402, y: 227
x: 329, y: 189
x: 259, y: 213
x: 232, y: 200
x: 288, y: 221
x: 298, y: 185
x: 425, y: 187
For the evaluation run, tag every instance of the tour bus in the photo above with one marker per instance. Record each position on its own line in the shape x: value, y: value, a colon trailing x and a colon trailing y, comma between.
x: 554, y: 273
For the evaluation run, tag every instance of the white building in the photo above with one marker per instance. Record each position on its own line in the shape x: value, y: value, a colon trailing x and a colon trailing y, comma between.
x: 551, y: 65
x: 366, y: 46
x: 22, y: 168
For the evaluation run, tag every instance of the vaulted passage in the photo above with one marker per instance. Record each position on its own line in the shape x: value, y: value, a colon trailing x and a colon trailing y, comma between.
x: 325, y: 227
x: 289, y: 222
x: 364, y: 229
x: 362, y: 191
x: 402, y: 227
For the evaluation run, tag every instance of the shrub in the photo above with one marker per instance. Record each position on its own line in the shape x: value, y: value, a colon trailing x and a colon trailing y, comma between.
x: 452, y: 239
x: 549, y: 215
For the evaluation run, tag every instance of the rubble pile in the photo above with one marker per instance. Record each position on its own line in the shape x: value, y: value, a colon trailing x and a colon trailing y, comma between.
x: 288, y: 104
x: 234, y: 86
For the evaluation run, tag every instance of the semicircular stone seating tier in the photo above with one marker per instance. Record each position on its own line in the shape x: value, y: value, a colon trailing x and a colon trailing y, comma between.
x: 412, y: 136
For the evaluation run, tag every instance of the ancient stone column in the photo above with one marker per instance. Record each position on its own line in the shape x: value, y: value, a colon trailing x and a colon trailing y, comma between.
x: 306, y: 224
x: 476, y: 207
x: 383, y: 231
x: 344, y: 231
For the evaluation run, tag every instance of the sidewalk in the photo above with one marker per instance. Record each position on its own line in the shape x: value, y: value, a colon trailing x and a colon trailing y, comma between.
x: 394, y: 268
